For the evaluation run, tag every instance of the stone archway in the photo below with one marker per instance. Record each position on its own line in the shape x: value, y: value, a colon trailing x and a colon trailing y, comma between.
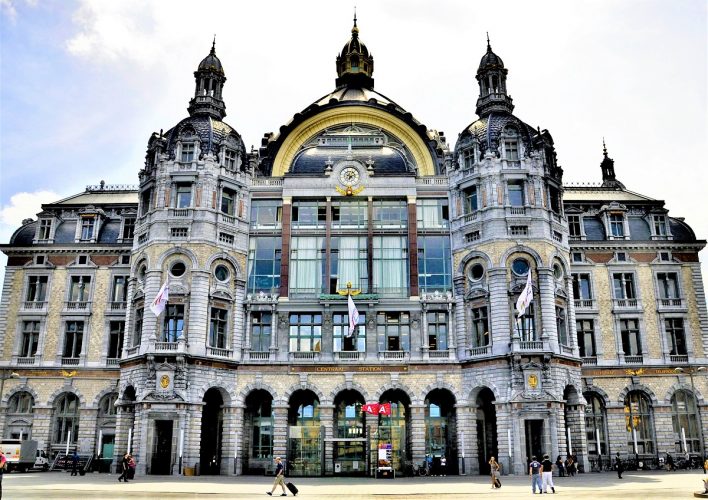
x: 210, y: 448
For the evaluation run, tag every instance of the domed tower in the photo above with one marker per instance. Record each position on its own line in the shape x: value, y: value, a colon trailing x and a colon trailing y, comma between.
x: 510, y: 240
x: 608, y: 170
x: 191, y: 240
x: 210, y: 80
x: 355, y: 64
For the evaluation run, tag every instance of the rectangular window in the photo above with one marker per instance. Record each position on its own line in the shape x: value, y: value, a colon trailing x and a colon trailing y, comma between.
x: 230, y: 159
x: 173, y: 324
x: 676, y: 336
x: 526, y: 326
x: 349, y: 215
x: 480, y: 327
x: 310, y: 214
x: 582, y: 289
x: 79, y: 288
x: 393, y: 331
x: 554, y: 198
x: 348, y: 263
x: 30, y: 339
x: 119, y: 290
x: 183, y: 196
x: 261, y: 327
x: 432, y: 214
x: 434, y: 264
x: 511, y: 150
x: 586, y: 337
x: 390, y: 214
x: 37, y: 288
x: 468, y: 158
x: 631, y: 342
x: 128, y: 228
x: 179, y: 232
x: 187, y: 152
x: 617, y: 225
x: 266, y: 214
x: 307, y: 261
x: 660, y: 225
x: 621, y: 257
x: 73, y: 339
x: 227, y: 202
x: 516, y: 194
x: 145, y: 202
x: 437, y: 331
x: 471, y: 200
x: 390, y: 261
x: 226, y: 238
x: 305, y: 332
x: 264, y: 264
x: 623, y: 284
x: 87, y: 225
x: 45, y: 229
x: 115, y: 339
x: 342, y: 340
x: 473, y: 236
x: 519, y: 230
x: 138, y: 329
x: 577, y: 257
x: 574, y: 230
x: 561, y: 326
x: 668, y: 285
x: 217, y: 328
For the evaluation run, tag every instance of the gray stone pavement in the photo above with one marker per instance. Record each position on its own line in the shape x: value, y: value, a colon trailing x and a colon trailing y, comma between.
x: 60, y: 485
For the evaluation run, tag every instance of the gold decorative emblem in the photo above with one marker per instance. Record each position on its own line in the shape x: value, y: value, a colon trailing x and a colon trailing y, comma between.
x: 70, y: 374
x: 350, y: 177
x: 164, y: 381
x: 533, y: 381
x: 349, y: 191
x: 634, y: 373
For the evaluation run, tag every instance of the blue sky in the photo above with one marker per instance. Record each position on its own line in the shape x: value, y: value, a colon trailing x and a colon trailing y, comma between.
x: 84, y: 83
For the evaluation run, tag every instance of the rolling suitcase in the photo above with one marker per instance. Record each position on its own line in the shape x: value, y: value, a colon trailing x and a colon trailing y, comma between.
x: 497, y: 482
x: 293, y: 489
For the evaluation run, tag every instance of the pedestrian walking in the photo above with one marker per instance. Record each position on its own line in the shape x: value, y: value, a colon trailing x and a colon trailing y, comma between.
x: 560, y: 466
x: 131, y: 467
x: 670, y: 462
x: 547, y: 471
x: 705, y: 466
x: 74, y: 463
x: 619, y: 465
x: 535, y: 473
x: 3, y: 464
x: 279, y: 478
x: 570, y: 465
x: 124, y: 466
x: 443, y: 465
x: 494, y: 472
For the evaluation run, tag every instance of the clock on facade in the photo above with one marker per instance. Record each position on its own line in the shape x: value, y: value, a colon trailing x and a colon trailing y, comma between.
x: 349, y: 176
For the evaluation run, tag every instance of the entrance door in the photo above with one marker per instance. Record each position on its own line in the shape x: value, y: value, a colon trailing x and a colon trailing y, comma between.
x: 162, y: 448
x: 534, y: 438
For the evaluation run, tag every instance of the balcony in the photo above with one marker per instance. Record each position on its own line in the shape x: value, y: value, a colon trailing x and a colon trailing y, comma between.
x: 440, y: 180
x: 310, y: 356
x: 70, y: 361
x: 531, y: 345
x: 218, y: 351
x: 393, y: 355
x: 25, y: 360
x: 678, y: 358
x: 117, y: 306
x: 474, y: 352
x: 627, y: 304
x: 258, y: 355
x: 180, y: 212
x: 634, y: 359
x: 132, y: 351
x: 30, y: 305
x: 584, y: 303
x: 349, y: 356
x: 112, y: 361
x: 228, y: 219
x: 439, y: 355
x: 79, y: 305
x: 166, y: 346
x: 517, y: 211
x: 590, y: 361
x: 670, y: 304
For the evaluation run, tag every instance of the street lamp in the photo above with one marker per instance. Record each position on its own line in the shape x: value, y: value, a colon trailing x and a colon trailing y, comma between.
x: 690, y: 372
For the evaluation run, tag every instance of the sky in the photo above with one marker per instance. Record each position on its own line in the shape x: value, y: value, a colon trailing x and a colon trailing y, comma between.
x: 84, y: 83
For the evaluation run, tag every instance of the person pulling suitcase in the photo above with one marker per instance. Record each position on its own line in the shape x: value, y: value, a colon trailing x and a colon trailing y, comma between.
x: 279, y: 478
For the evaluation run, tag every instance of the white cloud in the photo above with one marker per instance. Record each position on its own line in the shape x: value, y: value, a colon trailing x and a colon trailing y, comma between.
x: 9, y: 9
x: 23, y: 206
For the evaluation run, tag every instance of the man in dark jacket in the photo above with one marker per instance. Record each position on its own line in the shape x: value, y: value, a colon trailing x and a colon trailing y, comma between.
x: 74, y: 463
x: 619, y: 465
x: 125, y: 465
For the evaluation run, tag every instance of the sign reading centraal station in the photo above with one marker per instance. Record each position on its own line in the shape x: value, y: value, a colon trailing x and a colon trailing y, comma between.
x: 348, y: 369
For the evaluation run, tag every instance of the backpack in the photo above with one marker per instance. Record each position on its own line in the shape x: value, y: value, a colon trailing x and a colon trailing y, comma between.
x: 535, y: 467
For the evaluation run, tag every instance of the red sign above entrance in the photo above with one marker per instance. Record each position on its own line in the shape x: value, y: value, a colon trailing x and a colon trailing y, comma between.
x: 377, y: 409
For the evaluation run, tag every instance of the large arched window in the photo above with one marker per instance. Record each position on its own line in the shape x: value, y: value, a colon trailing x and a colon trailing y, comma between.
x: 66, y: 419
x: 21, y: 402
x: 684, y: 416
x: 19, y: 416
x: 106, y: 407
x: 259, y: 426
x: 595, y: 424
x: 639, y: 419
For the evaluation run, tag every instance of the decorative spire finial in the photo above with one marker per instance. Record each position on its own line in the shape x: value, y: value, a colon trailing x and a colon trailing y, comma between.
x: 355, y: 16
x: 355, y: 28
x: 213, y: 45
x: 604, y: 148
x: 489, y: 47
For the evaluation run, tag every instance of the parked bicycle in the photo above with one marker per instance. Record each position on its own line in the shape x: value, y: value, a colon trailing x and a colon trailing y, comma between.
x: 421, y: 470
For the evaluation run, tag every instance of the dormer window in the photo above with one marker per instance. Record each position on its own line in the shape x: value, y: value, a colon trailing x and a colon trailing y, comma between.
x: 128, y: 228
x: 617, y: 225
x: 228, y: 197
x: 230, y: 159
x: 660, y: 228
x: 88, y: 225
x: 510, y: 144
x: 45, y: 229
x: 468, y: 158
x: 187, y: 155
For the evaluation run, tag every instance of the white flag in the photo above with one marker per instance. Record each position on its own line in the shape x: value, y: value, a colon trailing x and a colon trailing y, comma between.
x: 158, y: 305
x: 526, y: 297
x: 353, y: 316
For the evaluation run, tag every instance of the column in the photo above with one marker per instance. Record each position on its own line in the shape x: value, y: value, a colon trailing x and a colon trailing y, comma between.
x: 424, y: 347
x: 280, y: 430
x: 327, y: 429
x: 86, y: 440
x: 198, y: 313
x: 231, y: 450
x: 466, y: 440
x: 413, y: 246
x: 501, y: 329
x: 285, y: 254
x: 417, y: 433
x: 451, y: 340
x: 547, y: 328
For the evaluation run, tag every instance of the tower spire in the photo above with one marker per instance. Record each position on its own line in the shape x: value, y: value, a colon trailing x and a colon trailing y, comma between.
x: 489, y: 47
x: 491, y: 76
x: 355, y: 65
x: 210, y: 80
x: 609, y: 180
x: 213, y: 46
x: 355, y: 16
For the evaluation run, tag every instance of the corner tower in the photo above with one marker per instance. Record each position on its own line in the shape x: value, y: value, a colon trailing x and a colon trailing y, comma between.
x: 210, y: 79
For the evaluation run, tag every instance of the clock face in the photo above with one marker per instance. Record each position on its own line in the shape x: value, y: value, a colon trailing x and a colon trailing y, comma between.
x: 349, y: 176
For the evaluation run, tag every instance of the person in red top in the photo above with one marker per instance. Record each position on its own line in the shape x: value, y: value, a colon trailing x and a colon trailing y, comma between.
x: 3, y: 461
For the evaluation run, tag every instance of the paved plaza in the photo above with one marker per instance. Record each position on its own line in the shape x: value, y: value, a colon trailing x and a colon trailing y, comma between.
x: 55, y: 485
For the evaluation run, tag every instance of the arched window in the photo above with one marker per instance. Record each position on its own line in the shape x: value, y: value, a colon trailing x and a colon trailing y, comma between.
x: 21, y: 402
x: 66, y: 418
x: 595, y: 424
x: 510, y: 144
x: 684, y: 416
x: 106, y: 407
x: 18, y: 424
x: 639, y: 420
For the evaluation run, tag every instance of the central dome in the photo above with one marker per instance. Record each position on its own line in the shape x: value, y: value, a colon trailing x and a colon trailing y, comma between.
x: 355, y: 65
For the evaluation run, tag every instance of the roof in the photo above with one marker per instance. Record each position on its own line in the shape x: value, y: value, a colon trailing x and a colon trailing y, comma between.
x: 600, y: 194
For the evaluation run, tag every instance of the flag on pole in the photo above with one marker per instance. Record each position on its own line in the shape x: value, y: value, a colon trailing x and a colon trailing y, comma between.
x: 353, y: 316
x: 158, y: 305
x: 526, y: 296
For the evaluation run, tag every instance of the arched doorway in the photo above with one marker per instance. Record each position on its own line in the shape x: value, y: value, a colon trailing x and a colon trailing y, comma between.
x: 639, y: 419
x: 106, y: 430
x: 574, y: 420
x: 394, y: 431
x: 349, y: 446
x: 65, y: 422
x: 304, y: 435
x: 486, y: 429
x: 258, y: 432
x: 441, y: 431
x: 596, y: 431
x: 212, y: 423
